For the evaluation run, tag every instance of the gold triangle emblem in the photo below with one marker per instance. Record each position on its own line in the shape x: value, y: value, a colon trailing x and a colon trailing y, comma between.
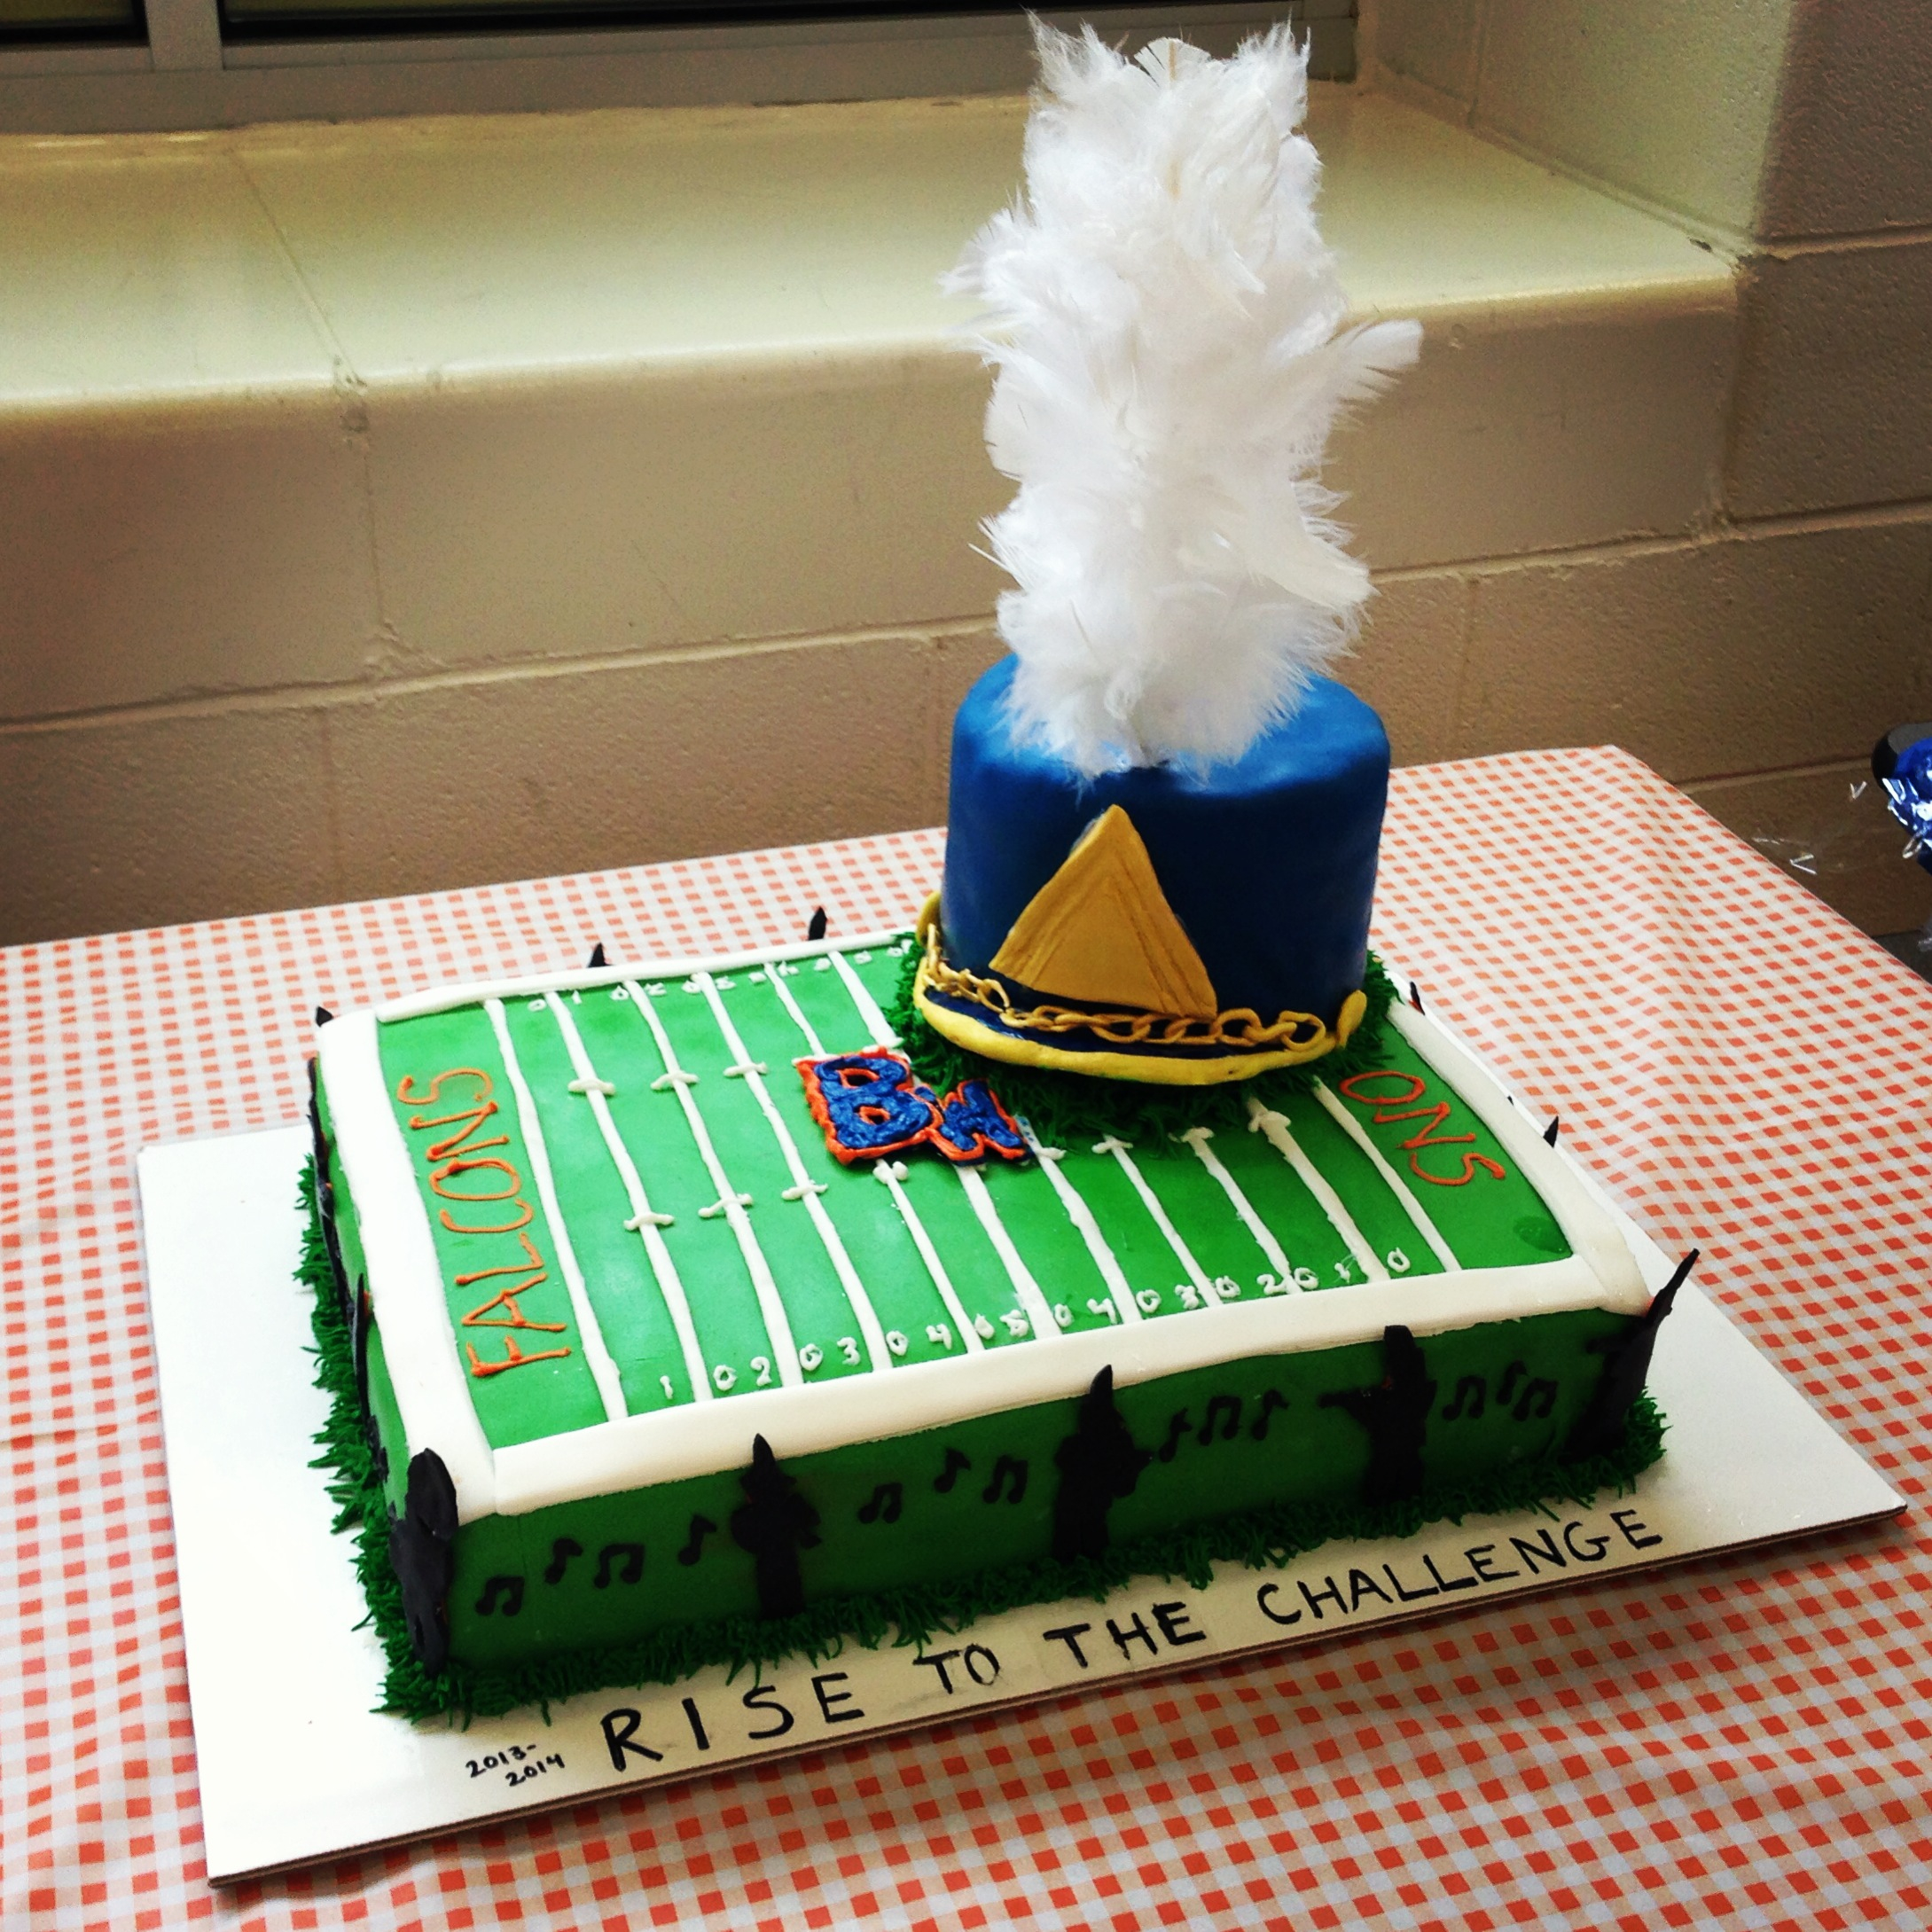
x: 1100, y: 932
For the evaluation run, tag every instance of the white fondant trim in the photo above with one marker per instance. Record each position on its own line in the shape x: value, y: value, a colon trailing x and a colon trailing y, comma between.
x: 1586, y: 1225
x: 1198, y: 1137
x: 1198, y: 1275
x: 730, y: 1201
x: 869, y: 1009
x: 441, y: 998
x: 804, y: 1187
x: 1026, y: 1289
x: 645, y: 1220
x: 604, y: 1372
x: 1398, y: 1186
x: 1083, y: 1217
x: 670, y: 1444
x: 405, y: 1277
x: 1274, y: 1126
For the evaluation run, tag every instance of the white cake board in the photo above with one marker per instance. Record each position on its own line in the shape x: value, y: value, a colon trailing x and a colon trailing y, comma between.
x: 295, y: 1765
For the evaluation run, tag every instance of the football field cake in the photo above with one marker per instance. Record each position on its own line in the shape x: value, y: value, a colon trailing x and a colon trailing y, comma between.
x: 686, y: 1318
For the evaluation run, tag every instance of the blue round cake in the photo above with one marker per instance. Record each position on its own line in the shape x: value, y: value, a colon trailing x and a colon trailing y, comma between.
x: 1159, y: 923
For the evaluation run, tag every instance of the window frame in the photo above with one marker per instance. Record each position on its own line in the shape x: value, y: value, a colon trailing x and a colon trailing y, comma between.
x: 188, y: 77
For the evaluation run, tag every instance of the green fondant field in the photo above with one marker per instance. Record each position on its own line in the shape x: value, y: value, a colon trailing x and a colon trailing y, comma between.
x: 697, y: 1092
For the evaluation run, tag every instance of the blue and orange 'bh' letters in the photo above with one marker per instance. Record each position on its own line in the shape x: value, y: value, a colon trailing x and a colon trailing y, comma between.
x: 872, y: 1104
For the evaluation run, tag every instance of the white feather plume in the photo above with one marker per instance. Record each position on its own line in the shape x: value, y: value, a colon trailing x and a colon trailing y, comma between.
x: 1163, y: 317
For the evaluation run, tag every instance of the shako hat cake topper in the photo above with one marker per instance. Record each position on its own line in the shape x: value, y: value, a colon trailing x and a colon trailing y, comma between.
x: 1164, y: 818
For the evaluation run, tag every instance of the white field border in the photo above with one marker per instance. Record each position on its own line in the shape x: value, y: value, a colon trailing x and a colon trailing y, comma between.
x: 669, y: 1445
x: 404, y: 1275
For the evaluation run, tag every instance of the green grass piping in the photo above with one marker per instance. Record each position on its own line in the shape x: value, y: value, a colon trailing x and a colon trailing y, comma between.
x: 1261, y: 1539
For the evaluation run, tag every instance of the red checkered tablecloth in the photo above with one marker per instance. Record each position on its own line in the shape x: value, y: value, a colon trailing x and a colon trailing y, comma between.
x: 1742, y: 1740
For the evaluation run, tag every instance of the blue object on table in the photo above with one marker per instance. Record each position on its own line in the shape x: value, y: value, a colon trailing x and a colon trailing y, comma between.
x: 1902, y: 764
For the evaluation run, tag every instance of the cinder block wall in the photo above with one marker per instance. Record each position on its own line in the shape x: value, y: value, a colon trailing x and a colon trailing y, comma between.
x: 334, y: 631
x: 1755, y: 655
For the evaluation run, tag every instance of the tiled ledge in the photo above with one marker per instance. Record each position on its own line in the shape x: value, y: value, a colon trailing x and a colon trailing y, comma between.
x: 308, y: 405
x: 622, y: 459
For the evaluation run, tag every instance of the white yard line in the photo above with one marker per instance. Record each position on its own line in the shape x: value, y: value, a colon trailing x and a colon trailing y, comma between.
x: 1274, y: 1126
x: 885, y: 1173
x: 644, y: 1220
x: 814, y: 1045
x: 1032, y: 1302
x: 1119, y: 1148
x: 1198, y: 1137
x: 1083, y: 1217
x: 869, y: 1009
x: 804, y: 1188
x: 1399, y: 1187
x: 770, y: 1303
x: 603, y: 1369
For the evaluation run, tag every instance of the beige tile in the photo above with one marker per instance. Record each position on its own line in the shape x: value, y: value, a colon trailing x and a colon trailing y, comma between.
x: 143, y: 266
x: 1669, y: 99
x: 1829, y: 830
x: 1432, y: 41
x: 631, y: 381
x: 1424, y: 217
x: 192, y: 546
x: 1527, y: 428
x: 153, y: 821
x: 560, y: 240
x: 563, y: 241
x: 581, y: 518
x: 535, y: 774
x: 1848, y: 152
x: 958, y: 660
x: 1408, y: 660
x: 555, y: 241
x: 1834, y: 397
x: 1709, y: 661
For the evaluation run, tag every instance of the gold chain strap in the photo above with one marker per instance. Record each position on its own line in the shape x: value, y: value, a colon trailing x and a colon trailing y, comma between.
x: 1239, y: 1027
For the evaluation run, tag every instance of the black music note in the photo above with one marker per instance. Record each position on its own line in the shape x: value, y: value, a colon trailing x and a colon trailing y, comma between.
x: 1271, y: 1400
x: 632, y: 1555
x: 1008, y: 1465
x: 957, y: 1460
x: 701, y: 1527
x: 1537, y: 1399
x: 1220, y: 1405
x: 883, y: 1506
x: 560, y: 1553
x: 509, y: 1588
x: 1177, y: 1427
x: 1469, y: 1390
x: 1506, y: 1388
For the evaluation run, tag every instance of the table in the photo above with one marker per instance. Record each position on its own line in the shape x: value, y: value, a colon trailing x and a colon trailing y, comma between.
x: 1743, y: 1739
